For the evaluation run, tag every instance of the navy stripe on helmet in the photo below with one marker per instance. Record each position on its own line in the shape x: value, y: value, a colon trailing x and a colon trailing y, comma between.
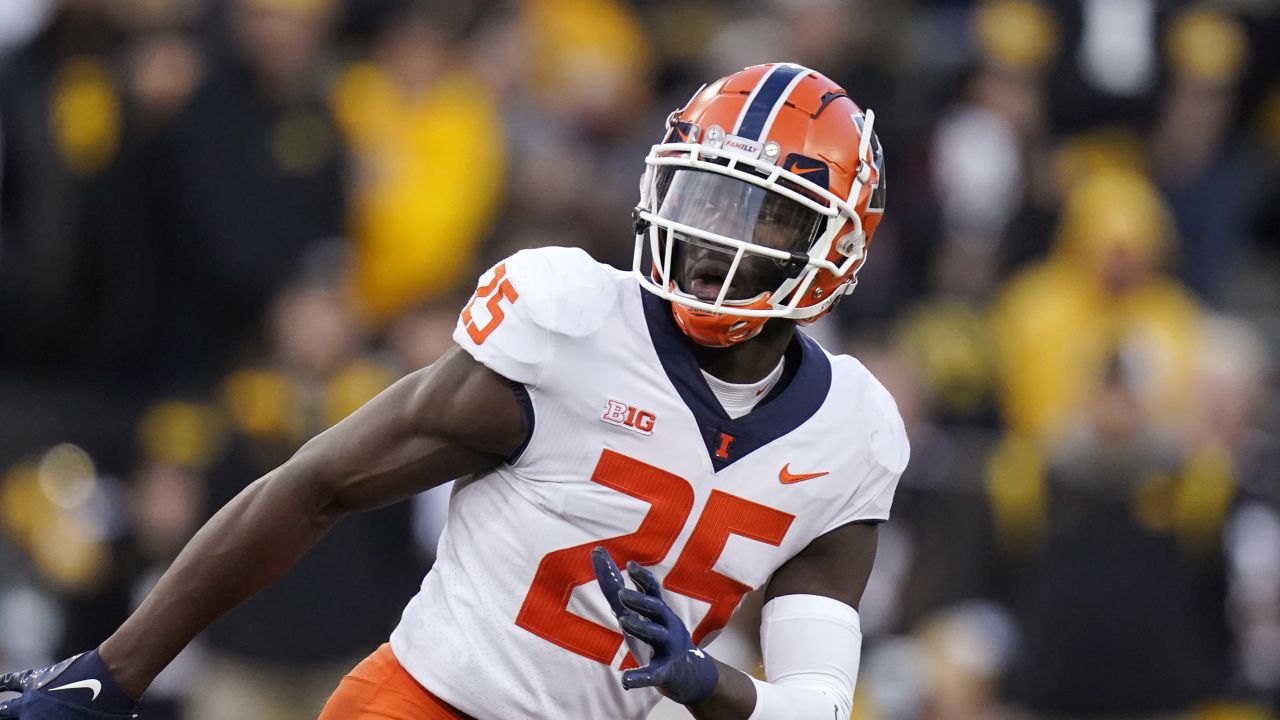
x: 769, y: 94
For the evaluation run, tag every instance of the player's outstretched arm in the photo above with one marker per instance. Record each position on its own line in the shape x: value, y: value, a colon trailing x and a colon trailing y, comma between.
x: 451, y: 419
x: 810, y: 636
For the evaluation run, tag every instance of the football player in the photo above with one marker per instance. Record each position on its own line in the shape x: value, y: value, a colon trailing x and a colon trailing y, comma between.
x: 670, y: 419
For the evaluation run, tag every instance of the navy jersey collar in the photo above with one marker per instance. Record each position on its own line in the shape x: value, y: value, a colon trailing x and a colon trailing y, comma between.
x: 782, y: 412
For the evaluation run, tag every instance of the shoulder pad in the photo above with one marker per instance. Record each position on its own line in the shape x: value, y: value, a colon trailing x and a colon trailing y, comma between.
x: 881, y: 443
x: 889, y: 444
x: 886, y: 433
x: 530, y: 301
x: 567, y: 291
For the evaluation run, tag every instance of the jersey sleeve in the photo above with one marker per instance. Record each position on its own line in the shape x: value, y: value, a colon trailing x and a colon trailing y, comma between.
x: 528, y: 304
x: 889, y: 450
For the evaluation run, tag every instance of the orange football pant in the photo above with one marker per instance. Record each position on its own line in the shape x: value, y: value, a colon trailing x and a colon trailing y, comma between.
x: 379, y: 689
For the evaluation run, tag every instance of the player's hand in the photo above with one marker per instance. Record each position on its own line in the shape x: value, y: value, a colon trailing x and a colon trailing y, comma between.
x: 79, y: 688
x: 678, y: 667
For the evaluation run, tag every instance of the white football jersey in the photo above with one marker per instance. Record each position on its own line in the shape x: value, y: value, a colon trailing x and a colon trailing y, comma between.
x: 629, y: 449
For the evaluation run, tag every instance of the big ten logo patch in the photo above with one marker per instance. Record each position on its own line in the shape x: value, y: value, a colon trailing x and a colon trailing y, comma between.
x: 629, y: 417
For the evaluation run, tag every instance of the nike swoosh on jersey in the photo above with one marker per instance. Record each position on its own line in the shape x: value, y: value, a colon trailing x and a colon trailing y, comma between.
x: 804, y: 171
x: 89, y: 684
x: 786, y: 477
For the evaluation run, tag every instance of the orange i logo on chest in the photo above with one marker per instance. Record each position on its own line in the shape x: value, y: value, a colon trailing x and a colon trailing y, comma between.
x: 726, y: 441
x: 629, y: 417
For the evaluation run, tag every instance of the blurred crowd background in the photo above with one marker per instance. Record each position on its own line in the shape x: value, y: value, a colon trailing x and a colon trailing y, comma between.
x: 224, y: 224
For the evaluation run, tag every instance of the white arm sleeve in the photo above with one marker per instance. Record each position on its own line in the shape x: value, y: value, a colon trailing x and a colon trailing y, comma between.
x: 811, y: 645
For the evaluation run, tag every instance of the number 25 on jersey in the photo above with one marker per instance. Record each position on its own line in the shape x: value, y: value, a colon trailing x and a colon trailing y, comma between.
x: 497, y: 290
x: 670, y: 497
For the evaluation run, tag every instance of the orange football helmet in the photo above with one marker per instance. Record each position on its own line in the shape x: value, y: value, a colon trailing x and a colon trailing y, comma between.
x: 759, y: 202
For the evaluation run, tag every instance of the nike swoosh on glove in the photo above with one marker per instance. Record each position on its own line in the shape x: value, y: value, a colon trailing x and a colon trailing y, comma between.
x: 79, y: 688
x: 678, y: 667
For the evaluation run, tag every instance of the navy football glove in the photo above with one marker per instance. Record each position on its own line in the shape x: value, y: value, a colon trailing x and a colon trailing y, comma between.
x: 79, y: 688
x: 678, y: 667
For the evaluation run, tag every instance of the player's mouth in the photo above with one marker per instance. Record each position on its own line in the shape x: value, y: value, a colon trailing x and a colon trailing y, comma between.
x: 707, y: 279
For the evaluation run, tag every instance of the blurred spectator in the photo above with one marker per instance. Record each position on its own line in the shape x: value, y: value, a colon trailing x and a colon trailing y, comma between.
x: 988, y: 158
x: 590, y: 61
x: 949, y: 339
x: 249, y: 174
x: 428, y: 143
x: 1233, y: 452
x: 1121, y: 609
x: 1105, y: 288
x: 70, y: 521
x: 955, y: 658
x: 64, y: 515
x: 991, y: 158
x: 164, y: 62
x: 1209, y: 176
x: 75, y: 269
x: 1109, y: 72
x: 79, y: 309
